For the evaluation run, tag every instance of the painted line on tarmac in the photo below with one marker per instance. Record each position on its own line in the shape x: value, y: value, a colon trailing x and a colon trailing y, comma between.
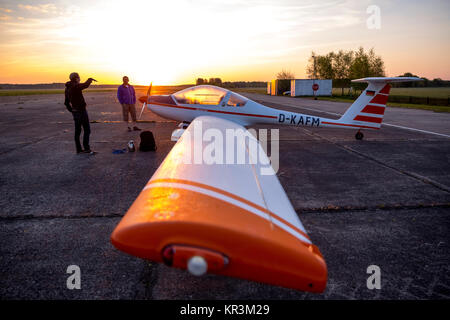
x: 383, y: 124
x: 413, y: 175
x: 414, y: 129
x: 380, y: 207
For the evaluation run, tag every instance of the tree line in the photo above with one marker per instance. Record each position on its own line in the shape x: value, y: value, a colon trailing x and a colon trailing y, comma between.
x: 436, y: 82
x: 345, y: 65
x: 342, y: 66
x: 231, y: 84
x: 212, y: 81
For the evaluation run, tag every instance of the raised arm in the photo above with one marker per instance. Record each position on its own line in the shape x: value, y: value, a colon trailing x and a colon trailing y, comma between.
x: 85, y: 85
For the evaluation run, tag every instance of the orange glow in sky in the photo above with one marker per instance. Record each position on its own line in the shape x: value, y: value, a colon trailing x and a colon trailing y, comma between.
x: 174, y: 42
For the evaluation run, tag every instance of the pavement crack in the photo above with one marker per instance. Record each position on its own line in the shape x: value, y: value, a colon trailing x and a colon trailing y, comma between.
x: 413, y: 175
x: 50, y: 217
x: 30, y: 143
x: 338, y: 209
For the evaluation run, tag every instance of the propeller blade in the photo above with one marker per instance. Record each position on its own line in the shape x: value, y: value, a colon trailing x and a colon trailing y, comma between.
x: 149, y: 91
x: 145, y: 103
x: 142, y: 110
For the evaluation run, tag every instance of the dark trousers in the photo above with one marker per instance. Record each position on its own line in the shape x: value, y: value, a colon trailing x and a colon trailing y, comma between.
x: 129, y: 108
x: 81, y: 119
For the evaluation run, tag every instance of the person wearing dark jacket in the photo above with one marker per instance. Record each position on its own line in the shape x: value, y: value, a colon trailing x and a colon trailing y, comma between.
x: 74, y: 102
x: 127, y: 98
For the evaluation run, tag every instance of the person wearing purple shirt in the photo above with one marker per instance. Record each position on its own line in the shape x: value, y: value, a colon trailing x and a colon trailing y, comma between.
x: 127, y: 98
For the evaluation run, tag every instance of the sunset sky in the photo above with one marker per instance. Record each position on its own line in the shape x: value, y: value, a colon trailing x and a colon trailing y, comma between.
x: 176, y: 41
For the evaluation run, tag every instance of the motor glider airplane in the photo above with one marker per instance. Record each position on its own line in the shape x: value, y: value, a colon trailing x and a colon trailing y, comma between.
x: 230, y: 219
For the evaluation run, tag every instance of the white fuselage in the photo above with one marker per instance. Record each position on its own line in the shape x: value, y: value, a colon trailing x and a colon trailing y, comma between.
x: 251, y: 113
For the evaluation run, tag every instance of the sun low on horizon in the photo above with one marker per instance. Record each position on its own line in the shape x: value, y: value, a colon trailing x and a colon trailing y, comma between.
x: 175, y: 42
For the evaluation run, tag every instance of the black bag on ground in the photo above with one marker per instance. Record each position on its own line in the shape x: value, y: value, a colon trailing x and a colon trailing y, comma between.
x: 147, y: 141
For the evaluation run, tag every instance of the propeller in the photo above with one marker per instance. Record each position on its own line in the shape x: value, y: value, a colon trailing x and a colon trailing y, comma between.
x: 144, y: 99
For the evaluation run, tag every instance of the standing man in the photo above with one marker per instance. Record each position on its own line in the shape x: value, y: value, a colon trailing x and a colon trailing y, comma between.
x: 74, y: 101
x: 127, y: 98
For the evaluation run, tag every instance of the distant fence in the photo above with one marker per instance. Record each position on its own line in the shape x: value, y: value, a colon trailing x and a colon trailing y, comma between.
x: 432, y: 101
x: 420, y: 100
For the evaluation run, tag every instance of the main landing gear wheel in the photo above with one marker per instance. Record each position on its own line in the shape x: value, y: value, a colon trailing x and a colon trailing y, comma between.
x: 184, y: 125
x: 359, y: 135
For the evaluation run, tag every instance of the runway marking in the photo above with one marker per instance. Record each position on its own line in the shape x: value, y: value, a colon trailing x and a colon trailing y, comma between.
x: 419, y: 130
x: 383, y: 124
x: 413, y: 175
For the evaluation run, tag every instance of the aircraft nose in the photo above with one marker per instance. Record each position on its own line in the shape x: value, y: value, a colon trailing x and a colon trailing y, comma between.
x: 162, y: 100
x: 143, y: 99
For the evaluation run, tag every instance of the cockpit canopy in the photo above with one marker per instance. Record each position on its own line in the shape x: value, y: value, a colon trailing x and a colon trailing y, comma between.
x: 210, y: 95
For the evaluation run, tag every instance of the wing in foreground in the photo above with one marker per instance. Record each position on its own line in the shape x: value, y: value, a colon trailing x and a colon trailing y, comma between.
x: 223, y: 218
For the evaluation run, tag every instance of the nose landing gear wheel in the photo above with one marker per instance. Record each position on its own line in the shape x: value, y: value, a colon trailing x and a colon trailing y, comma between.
x: 359, y: 135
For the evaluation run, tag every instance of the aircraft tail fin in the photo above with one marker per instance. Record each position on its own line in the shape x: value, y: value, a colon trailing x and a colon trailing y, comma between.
x: 368, y: 110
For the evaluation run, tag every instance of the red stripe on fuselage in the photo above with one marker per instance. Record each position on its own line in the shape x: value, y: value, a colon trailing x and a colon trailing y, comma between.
x: 349, y: 125
x: 171, y: 105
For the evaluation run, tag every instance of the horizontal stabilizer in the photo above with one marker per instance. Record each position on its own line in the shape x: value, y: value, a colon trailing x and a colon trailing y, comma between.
x: 387, y: 79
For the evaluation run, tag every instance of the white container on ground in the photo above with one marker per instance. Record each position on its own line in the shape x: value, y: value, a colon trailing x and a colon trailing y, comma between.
x: 304, y: 87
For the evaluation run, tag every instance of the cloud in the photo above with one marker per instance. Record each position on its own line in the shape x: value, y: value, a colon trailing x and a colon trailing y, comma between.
x: 237, y: 31
x: 40, y: 8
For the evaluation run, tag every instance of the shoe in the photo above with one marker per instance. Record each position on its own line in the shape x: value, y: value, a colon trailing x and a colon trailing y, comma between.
x: 136, y: 128
x: 87, y: 151
x: 129, y: 129
x: 79, y: 151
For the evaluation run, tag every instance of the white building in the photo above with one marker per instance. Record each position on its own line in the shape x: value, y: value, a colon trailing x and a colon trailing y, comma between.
x: 304, y: 87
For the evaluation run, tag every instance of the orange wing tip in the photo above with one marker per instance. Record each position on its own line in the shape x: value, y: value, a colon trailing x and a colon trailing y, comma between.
x: 226, y: 238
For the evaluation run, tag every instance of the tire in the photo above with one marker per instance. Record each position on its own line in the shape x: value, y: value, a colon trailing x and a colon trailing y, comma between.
x: 359, y: 136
